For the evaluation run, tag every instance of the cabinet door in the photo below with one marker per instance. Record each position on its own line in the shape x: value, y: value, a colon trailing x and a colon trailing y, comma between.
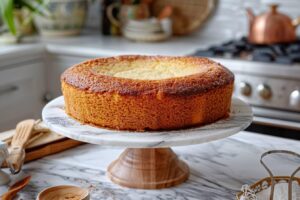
x: 21, y: 93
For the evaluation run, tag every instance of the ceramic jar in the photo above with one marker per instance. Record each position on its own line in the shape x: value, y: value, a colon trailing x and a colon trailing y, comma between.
x: 66, y: 18
x: 23, y: 22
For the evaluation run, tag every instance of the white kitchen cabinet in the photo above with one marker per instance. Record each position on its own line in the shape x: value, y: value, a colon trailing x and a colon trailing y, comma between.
x: 56, y: 65
x: 21, y: 92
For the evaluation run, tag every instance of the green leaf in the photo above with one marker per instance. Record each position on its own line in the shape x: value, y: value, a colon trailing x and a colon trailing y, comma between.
x: 35, y: 6
x: 6, y: 9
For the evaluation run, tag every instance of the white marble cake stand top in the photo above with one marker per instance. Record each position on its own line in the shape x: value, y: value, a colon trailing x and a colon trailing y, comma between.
x: 57, y: 120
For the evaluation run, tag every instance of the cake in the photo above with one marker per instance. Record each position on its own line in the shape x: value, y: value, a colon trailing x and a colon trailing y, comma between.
x: 147, y: 92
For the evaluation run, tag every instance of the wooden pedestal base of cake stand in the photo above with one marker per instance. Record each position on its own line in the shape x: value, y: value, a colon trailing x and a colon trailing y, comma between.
x: 148, y: 168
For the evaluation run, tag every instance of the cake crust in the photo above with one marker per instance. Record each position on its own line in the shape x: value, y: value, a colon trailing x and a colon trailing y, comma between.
x: 82, y: 77
x: 130, y: 104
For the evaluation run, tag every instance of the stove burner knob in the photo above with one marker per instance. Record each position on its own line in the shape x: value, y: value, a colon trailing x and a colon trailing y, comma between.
x: 295, y: 99
x: 264, y: 91
x: 245, y: 88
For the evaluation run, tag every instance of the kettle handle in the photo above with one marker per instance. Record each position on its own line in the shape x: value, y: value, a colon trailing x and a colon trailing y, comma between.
x: 296, y: 22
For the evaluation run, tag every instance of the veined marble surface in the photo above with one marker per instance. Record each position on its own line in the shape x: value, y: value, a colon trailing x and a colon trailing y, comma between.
x: 55, y: 117
x: 218, y: 169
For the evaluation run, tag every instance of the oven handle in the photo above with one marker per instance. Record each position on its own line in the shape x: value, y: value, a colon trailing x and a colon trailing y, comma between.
x: 276, y: 123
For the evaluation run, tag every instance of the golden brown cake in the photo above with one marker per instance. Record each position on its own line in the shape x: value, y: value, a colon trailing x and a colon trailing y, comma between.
x: 147, y: 92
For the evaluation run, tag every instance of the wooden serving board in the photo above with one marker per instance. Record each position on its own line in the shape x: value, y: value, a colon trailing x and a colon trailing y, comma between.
x: 48, y: 144
x: 187, y: 15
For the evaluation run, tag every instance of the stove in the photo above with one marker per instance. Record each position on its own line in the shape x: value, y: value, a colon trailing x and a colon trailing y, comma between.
x: 266, y: 76
x: 242, y: 49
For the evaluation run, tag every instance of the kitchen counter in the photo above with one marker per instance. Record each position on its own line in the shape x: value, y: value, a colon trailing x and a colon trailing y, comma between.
x: 218, y: 169
x: 95, y: 44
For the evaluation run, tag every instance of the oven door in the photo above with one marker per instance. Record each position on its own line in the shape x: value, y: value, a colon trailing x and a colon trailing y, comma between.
x: 275, y: 127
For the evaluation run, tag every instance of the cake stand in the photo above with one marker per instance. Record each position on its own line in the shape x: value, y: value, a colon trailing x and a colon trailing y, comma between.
x: 148, y: 162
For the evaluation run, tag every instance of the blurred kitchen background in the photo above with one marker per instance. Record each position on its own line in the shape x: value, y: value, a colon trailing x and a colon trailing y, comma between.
x: 227, y: 20
x: 66, y: 32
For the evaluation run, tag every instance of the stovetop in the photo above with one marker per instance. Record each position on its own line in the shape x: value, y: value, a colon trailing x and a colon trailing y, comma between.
x: 242, y: 49
x: 266, y: 76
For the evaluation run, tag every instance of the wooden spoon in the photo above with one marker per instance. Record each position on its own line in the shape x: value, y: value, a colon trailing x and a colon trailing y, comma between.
x: 15, y: 188
x: 39, y: 127
x: 64, y: 192
x: 19, y: 140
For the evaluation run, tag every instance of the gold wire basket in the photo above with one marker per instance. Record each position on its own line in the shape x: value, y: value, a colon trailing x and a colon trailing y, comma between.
x: 249, y: 193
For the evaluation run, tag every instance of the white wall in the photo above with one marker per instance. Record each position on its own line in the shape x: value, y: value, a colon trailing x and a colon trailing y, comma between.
x: 94, y: 17
x: 228, y: 21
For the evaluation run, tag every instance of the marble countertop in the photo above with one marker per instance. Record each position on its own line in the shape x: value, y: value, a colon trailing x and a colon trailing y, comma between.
x: 218, y: 169
x: 95, y: 44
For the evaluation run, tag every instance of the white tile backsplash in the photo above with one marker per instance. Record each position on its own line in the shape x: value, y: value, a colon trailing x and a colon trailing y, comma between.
x: 228, y: 21
x: 94, y: 14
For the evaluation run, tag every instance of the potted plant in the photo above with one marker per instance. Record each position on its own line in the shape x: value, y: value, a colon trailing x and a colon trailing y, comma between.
x: 67, y: 18
x: 17, y: 17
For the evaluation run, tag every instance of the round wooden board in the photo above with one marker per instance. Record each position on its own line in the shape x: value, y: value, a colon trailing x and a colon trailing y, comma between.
x: 188, y: 15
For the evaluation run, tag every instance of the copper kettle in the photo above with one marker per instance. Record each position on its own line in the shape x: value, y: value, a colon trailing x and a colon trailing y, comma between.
x: 271, y: 27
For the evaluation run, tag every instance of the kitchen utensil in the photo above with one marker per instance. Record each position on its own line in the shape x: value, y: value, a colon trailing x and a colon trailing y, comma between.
x: 67, y: 18
x: 145, y: 25
x: 137, y: 11
x: 165, y: 13
x: 148, y: 162
x: 4, y: 178
x: 47, y: 144
x: 148, y: 30
x: 15, y: 188
x: 64, y: 192
x: 20, y: 138
x: 265, y: 188
x: 38, y: 131
x: 144, y: 37
x: 271, y: 27
x: 187, y: 16
x: 107, y: 27
x: 34, y: 138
